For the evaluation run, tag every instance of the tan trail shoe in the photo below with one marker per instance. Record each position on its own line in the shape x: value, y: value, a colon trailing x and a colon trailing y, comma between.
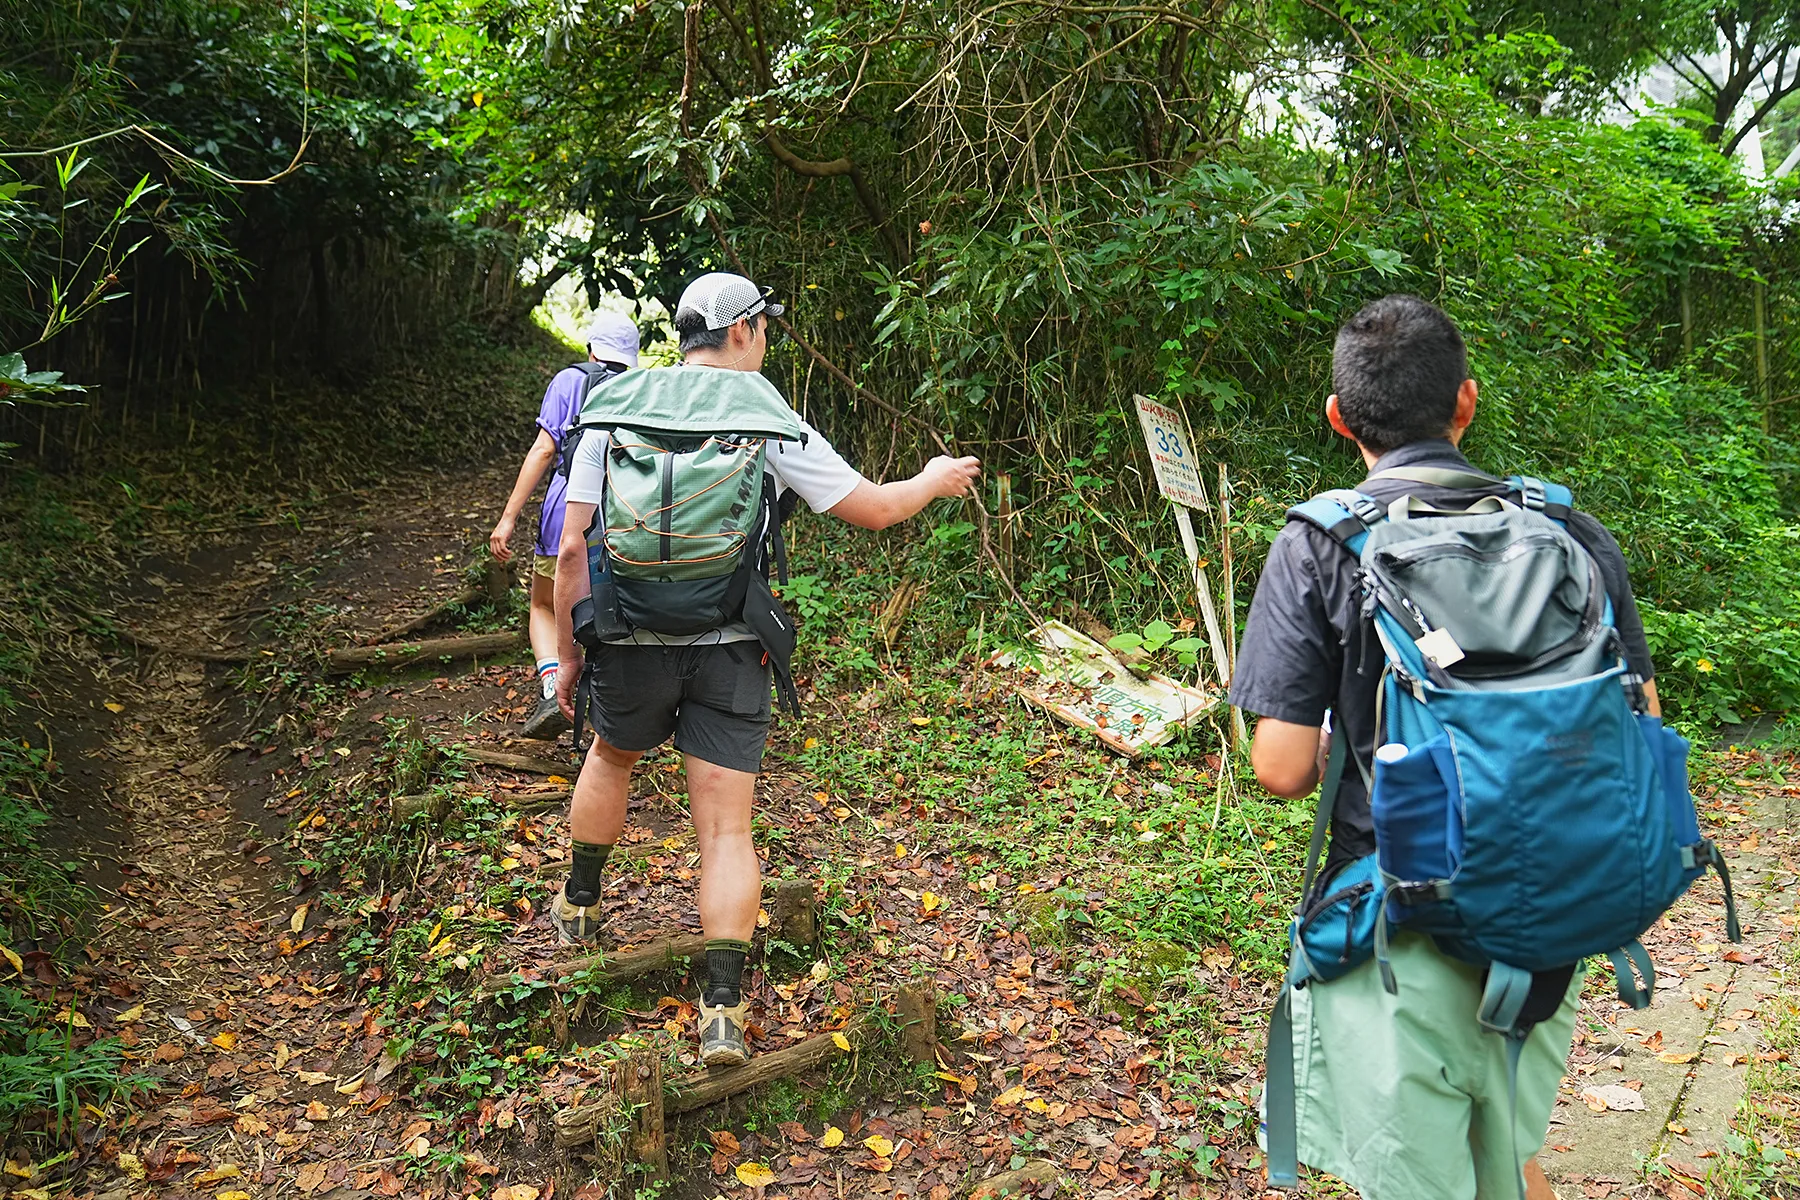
x: 576, y: 924
x: 722, y: 1034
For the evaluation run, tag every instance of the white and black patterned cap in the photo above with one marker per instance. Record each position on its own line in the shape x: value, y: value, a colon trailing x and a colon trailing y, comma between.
x: 723, y: 299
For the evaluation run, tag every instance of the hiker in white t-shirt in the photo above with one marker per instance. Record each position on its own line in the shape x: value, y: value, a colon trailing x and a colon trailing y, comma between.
x: 711, y: 690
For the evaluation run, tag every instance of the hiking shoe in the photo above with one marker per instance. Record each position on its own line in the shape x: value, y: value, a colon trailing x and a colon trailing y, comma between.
x: 722, y: 1034
x: 546, y: 722
x: 576, y: 924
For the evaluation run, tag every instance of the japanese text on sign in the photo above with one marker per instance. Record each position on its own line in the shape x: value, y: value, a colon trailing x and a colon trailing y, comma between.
x: 1171, y: 452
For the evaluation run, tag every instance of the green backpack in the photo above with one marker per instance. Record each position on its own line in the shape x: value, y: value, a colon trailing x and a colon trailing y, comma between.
x: 688, y: 527
x: 681, y: 524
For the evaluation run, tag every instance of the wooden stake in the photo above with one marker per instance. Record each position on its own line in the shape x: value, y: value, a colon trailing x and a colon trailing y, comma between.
x: 1203, y: 589
x: 404, y: 808
x: 498, y: 581
x: 1238, y: 733
x: 638, y: 1085
x: 916, y: 1007
x: 1009, y: 1184
x: 794, y: 913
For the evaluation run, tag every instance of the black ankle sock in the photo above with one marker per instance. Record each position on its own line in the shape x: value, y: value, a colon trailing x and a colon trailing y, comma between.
x: 725, y: 971
x: 584, y: 873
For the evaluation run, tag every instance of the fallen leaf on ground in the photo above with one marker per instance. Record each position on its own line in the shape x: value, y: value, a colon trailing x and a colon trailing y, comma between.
x: 833, y: 1136
x: 754, y: 1175
x: 879, y: 1146
x: 226, y: 1040
x: 1669, y: 1056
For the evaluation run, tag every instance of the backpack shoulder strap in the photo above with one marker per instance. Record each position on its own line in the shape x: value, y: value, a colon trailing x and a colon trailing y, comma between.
x: 1346, y: 516
x: 1552, y: 499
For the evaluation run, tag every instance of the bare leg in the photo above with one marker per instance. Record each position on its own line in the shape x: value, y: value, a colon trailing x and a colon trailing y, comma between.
x: 730, y: 875
x: 597, y: 810
x: 1537, y: 1184
x: 541, y: 624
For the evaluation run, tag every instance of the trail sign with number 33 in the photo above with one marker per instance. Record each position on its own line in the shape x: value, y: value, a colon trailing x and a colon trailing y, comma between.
x: 1171, y: 452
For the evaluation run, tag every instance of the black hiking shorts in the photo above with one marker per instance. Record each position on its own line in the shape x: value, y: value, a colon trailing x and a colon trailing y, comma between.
x: 714, y: 699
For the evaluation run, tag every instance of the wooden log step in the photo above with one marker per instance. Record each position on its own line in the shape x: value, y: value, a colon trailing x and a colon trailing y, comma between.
x: 518, y: 762
x: 400, y: 654
x: 795, y: 912
x: 698, y: 1091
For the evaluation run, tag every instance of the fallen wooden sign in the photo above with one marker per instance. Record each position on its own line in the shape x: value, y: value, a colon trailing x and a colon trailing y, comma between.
x: 1079, y: 681
x: 401, y: 654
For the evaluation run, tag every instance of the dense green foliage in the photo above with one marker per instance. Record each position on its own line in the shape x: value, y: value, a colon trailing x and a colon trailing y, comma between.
x: 1005, y: 220
x: 1008, y: 220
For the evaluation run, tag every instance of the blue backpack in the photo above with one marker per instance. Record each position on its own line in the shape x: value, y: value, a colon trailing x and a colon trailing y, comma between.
x: 1529, y: 812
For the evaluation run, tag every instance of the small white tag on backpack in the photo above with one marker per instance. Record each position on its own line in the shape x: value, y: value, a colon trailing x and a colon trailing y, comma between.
x: 1440, y: 648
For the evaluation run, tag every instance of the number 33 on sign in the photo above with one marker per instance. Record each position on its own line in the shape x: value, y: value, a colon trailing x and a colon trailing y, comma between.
x: 1171, y: 453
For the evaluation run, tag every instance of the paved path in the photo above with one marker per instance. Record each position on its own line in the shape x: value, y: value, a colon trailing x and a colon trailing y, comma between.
x: 1687, y: 1056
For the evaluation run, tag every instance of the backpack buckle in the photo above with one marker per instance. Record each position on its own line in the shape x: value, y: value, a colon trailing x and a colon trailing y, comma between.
x: 1418, y: 893
x: 1366, y: 509
x: 1531, y: 493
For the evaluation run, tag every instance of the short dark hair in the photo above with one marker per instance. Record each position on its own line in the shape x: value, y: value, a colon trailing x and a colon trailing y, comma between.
x: 691, y: 327
x: 1396, y: 369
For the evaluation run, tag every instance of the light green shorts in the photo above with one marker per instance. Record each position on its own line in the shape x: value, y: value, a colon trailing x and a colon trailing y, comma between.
x: 1388, y: 1088
x: 544, y: 564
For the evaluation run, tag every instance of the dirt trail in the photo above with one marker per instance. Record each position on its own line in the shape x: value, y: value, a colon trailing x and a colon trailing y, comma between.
x: 206, y: 953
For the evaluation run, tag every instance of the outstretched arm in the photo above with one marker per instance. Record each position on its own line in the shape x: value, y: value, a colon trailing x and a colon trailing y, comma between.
x: 878, y: 505
x: 537, y: 461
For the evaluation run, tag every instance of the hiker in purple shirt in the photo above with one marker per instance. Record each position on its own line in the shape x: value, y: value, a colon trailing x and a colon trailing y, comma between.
x: 612, y: 343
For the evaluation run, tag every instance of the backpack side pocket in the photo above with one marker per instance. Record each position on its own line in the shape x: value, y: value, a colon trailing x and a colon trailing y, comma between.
x: 1335, y: 932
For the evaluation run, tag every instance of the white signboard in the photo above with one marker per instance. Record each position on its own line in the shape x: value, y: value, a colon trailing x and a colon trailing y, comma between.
x: 1172, y: 452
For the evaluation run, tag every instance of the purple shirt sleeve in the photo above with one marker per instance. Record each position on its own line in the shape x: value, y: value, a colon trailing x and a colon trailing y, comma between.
x: 562, y: 403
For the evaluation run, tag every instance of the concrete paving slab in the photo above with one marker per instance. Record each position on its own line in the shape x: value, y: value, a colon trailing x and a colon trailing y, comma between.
x: 1687, y: 1055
